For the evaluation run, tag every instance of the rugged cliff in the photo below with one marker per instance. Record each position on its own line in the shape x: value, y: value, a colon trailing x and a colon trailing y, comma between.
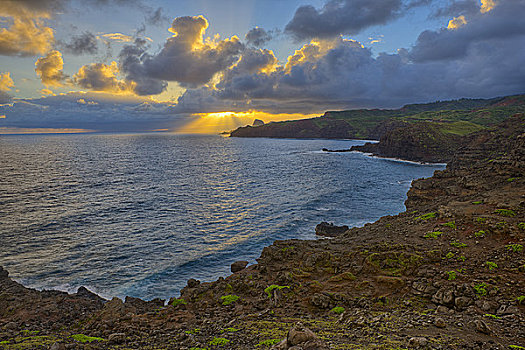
x: 449, y: 273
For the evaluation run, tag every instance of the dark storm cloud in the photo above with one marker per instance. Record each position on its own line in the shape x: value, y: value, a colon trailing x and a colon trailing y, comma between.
x: 341, y: 17
x: 258, y: 37
x: 185, y: 58
x: 503, y: 22
x: 156, y: 17
x: 85, y: 43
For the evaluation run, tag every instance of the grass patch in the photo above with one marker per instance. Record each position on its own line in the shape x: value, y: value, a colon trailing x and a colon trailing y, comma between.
x: 451, y: 224
x: 427, y: 216
x: 479, y: 234
x: 268, y: 342
x: 458, y: 244
x: 434, y: 234
x: 82, y: 338
x: 229, y: 299
x: 179, y: 301
x: 219, y: 341
x: 505, y: 212
x: 338, y: 310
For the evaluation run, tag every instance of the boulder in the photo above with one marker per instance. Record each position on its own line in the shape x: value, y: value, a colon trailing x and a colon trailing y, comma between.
x: 300, y: 337
x: 326, y: 229
x: 238, y: 266
x: 258, y: 122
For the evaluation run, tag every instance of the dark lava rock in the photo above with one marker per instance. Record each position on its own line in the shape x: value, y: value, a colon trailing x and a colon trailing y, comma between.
x: 329, y: 229
x: 258, y: 122
x: 238, y: 266
x: 192, y: 283
x: 83, y: 292
x: 336, y: 150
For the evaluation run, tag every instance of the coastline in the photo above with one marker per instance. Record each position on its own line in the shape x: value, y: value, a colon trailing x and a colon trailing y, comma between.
x: 416, y: 279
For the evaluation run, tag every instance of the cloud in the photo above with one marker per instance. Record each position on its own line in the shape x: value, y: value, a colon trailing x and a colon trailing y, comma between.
x: 85, y: 43
x: 258, y: 37
x: 341, y: 17
x: 186, y: 57
x: 50, y: 69
x: 6, y: 83
x: 26, y: 33
x: 119, y: 37
x: 503, y: 22
x: 156, y: 17
x: 101, y: 77
x: 457, y: 22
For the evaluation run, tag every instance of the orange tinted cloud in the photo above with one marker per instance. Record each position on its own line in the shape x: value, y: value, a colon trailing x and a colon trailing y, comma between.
x: 49, y: 69
x: 6, y: 83
x: 101, y: 77
x: 26, y: 34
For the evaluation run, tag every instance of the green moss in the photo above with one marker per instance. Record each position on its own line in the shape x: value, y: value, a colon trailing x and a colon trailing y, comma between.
x: 458, y: 244
x: 451, y: 275
x: 268, y: 342
x: 229, y: 299
x: 434, y: 234
x: 338, y: 310
x: 491, y: 265
x: 505, y: 212
x: 451, y: 224
x: 516, y: 248
x: 82, y: 338
x: 219, y: 341
x: 179, y: 301
x: 270, y: 289
x: 427, y: 216
x: 492, y: 316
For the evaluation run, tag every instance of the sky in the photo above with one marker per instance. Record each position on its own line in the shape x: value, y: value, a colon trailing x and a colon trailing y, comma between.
x: 213, y: 65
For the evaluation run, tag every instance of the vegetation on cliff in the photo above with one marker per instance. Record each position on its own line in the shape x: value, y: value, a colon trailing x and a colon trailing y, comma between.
x: 449, y: 273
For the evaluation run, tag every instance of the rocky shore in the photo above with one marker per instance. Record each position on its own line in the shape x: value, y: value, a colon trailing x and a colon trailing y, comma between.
x: 448, y: 273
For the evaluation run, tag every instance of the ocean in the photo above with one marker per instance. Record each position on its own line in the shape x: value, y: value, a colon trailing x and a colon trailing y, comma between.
x: 140, y: 214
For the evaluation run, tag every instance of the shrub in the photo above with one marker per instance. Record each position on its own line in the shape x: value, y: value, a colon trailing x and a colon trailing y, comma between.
x: 449, y: 255
x: 219, y: 341
x: 270, y: 289
x: 505, y: 212
x: 451, y: 275
x: 491, y: 265
x: 338, y: 310
x: 477, y: 202
x: 458, y: 244
x: 451, y: 224
x: 516, y: 248
x: 479, y: 233
x: 493, y: 316
x: 179, y: 301
x: 481, y: 220
x: 229, y: 299
x: 434, y: 234
x: 480, y: 289
x: 521, y: 225
x: 462, y: 258
x: 521, y: 299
